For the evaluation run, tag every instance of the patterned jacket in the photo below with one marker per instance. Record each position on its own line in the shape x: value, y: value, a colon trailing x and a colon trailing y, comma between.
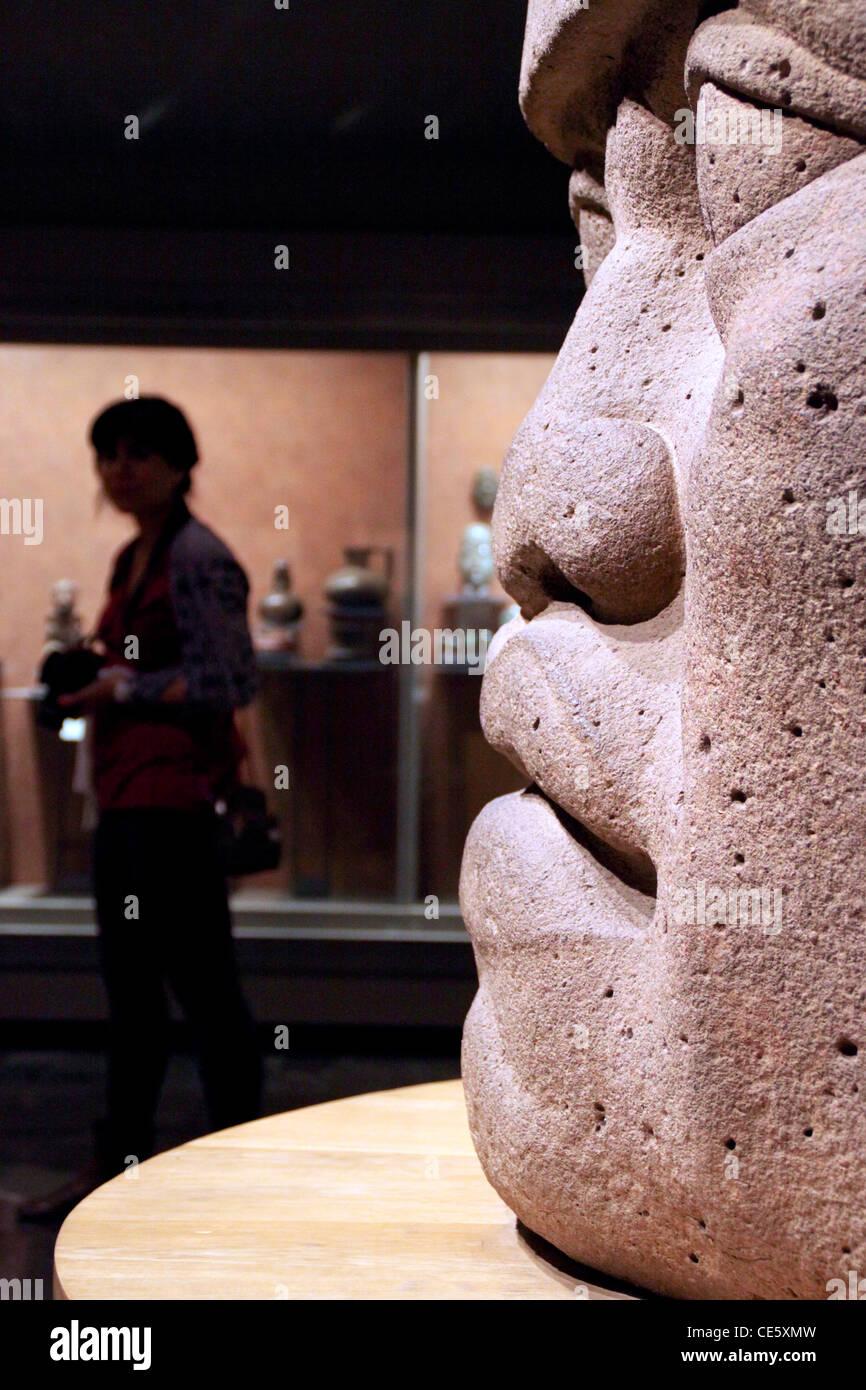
x: 186, y: 617
x: 209, y: 593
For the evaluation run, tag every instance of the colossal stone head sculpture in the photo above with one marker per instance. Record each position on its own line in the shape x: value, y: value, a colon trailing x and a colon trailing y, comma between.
x: 664, y: 1064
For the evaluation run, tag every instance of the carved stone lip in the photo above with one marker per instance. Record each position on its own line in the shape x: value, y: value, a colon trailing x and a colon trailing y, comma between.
x: 600, y: 682
x: 759, y: 63
x: 556, y: 878
x: 502, y: 636
x: 642, y: 877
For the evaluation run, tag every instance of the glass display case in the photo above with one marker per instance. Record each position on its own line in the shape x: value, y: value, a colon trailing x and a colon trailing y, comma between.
x: 368, y: 746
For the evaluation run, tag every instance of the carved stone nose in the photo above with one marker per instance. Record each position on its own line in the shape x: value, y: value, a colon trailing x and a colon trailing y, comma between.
x: 587, y: 513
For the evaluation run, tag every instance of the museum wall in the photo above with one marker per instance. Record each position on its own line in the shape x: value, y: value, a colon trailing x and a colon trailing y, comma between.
x: 324, y: 433
x: 321, y: 432
x: 482, y: 398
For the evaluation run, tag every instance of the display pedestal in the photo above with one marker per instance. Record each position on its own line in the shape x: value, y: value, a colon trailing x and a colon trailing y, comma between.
x: 334, y: 724
x: 462, y: 773
x: 379, y: 1196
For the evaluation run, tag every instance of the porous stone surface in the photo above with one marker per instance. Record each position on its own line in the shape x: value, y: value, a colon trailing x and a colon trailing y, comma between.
x: 664, y: 1062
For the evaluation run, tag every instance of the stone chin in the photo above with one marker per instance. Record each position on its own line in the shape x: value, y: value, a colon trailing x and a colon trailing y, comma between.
x: 566, y: 1069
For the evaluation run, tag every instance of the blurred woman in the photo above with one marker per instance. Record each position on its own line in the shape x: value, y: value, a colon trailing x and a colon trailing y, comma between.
x: 178, y: 662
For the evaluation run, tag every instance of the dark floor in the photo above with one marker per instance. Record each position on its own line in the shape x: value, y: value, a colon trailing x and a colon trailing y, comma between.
x: 50, y: 1097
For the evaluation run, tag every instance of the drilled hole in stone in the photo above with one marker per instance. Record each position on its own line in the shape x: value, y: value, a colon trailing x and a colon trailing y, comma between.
x: 694, y: 1259
x: 705, y: 743
x: 800, y: 367
x: 847, y: 1047
x: 536, y: 721
x: 799, y: 165
x: 822, y: 398
x: 794, y: 729
x: 846, y: 581
x: 738, y: 795
x: 808, y: 1133
x: 730, y: 1143
x: 819, y: 309
x: 699, y: 256
x: 608, y: 994
x: 739, y: 858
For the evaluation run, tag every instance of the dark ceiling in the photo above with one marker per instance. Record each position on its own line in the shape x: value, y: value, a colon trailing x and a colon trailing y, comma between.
x: 284, y: 125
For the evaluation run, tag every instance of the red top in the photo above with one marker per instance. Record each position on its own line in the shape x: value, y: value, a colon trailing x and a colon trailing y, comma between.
x: 158, y: 755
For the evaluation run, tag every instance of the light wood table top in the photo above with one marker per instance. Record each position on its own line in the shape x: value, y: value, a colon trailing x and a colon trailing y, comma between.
x: 378, y: 1196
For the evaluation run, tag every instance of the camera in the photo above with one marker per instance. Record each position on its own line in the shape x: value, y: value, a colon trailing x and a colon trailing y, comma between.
x: 64, y: 672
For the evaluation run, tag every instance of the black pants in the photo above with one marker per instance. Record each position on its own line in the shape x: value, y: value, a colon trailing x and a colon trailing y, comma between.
x: 163, y: 914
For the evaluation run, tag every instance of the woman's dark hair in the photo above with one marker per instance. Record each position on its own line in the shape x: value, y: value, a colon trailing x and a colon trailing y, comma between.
x: 152, y: 425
